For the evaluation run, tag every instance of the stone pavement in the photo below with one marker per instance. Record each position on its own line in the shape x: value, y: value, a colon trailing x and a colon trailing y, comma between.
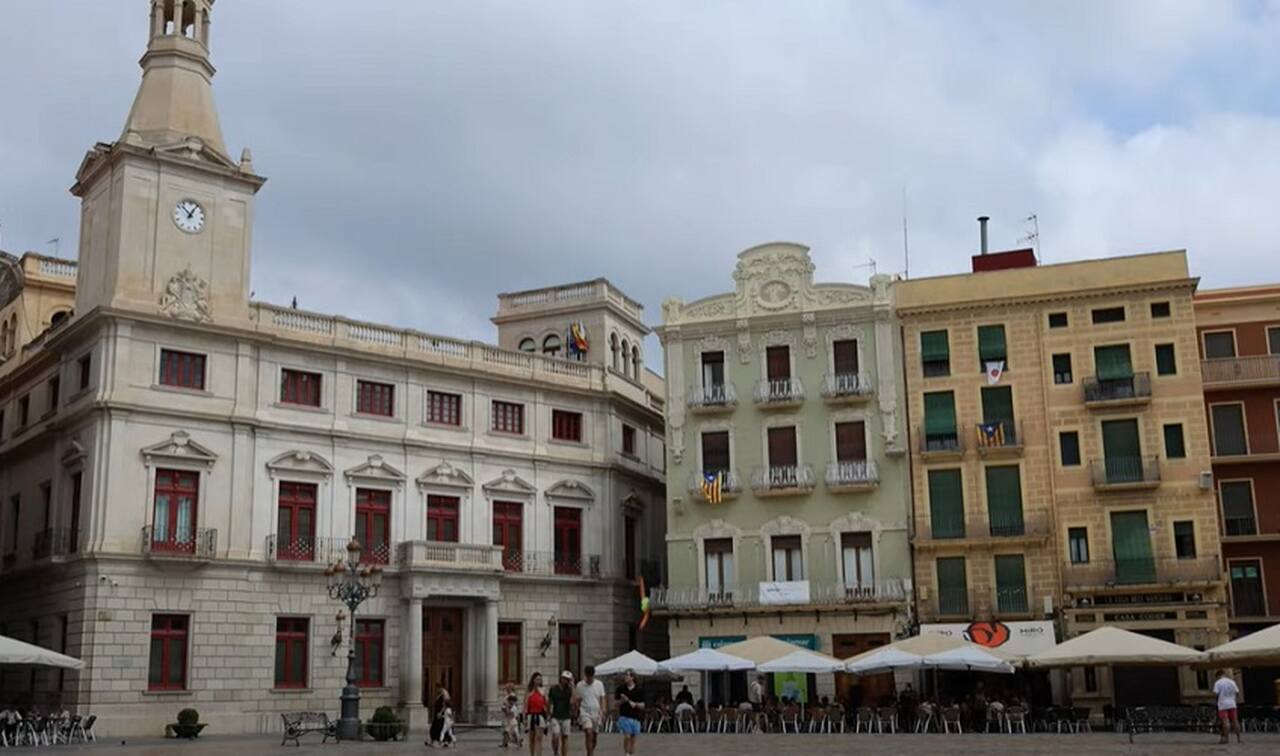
x: 708, y: 745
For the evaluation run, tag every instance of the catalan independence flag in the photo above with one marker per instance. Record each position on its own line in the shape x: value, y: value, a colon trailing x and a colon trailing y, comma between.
x: 991, y: 434
x: 713, y: 486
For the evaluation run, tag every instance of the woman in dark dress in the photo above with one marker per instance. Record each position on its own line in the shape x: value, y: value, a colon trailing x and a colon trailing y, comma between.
x: 438, y: 704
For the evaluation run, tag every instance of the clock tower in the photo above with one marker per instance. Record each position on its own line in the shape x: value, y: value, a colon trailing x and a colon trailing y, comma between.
x: 166, y: 215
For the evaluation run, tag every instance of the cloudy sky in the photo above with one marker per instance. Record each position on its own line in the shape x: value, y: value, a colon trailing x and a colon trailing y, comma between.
x: 423, y: 156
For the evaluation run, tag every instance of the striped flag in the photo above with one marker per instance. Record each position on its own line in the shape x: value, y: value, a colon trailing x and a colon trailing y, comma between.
x: 712, y: 486
x: 991, y: 434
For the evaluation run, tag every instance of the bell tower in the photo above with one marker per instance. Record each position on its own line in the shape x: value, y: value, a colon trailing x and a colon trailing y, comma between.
x: 166, y: 214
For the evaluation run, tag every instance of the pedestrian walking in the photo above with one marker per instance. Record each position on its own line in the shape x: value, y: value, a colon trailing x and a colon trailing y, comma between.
x: 535, y: 711
x: 593, y: 705
x: 1228, y: 716
x: 630, y: 699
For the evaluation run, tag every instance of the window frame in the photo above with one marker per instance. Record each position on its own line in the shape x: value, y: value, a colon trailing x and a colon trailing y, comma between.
x: 1204, y: 343
x: 941, y: 368
x: 443, y: 510
x: 1167, y: 310
x: 168, y: 635
x: 1066, y: 320
x: 368, y: 510
x: 296, y: 379
x: 1262, y: 583
x: 175, y: 490
x: 1173, y: 357
x: 441, y: 405
x: 84, y: 363
x: 1103, y: 315
x: 505, y: 514
x: 510, y: 640
x: 1244, y: 428
x: 375, y: 398
x: 295, y: 641
x: 569, y: 647
x: 1165, y: 428
x: 567, y: 527
x: 1078, y: 534
x: 629, y: 440
x: 1253, y: 506
x: 852, y: 540
x: 1059, y: 378
x: 1062, y: 457
x: 725, y: 572
x: 512, y: 414
x: 991, y: 328
x: 1269, y: 331
x: 788, y: 545
x: 1177, y: 543
x: 702, y: 449
x: 567, y: 426
x: 295, y: 501
x: 703, y: 365
x: 367, y: 658
x: 171, y: 372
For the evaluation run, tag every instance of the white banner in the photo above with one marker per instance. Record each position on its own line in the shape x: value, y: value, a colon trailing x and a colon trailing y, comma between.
x: 789, y: 592
x: 1016, y: 638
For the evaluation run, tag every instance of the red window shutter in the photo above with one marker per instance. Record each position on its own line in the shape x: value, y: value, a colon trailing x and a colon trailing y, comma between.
x: 782, y: 446
x: 845, y: 354
x: 715, y: 451
x: 778, y: 363
x: 851, y: 442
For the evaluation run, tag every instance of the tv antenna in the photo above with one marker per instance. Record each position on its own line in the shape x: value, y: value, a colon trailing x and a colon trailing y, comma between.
x: 1033, y: 235
x: 871, y: 264
x: 55, y: 241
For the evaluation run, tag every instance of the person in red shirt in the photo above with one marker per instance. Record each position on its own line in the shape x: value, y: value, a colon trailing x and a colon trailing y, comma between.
x: 535, y: 710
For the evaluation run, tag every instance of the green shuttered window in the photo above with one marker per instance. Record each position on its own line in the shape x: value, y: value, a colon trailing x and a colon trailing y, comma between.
x: 1004, y: 500
x: 946, y: 504
x: 1113, y: 362
x: 934, y: 347
x: 1131, y: 544
x: 1011, y: 583
x: 953, y: 586
x: 997, y: 405
x: 939, y: 413
x: 991, y: 346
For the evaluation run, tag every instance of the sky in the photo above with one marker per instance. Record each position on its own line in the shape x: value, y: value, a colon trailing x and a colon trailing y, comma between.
x: 423, y: 156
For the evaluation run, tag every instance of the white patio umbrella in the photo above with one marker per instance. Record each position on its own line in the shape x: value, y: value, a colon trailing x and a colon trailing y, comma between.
x: 1259, y: 649
x: 929, y: 652
x: 635, y: 661
x: 803, y: 660
x: 13, y: 651
x: 971, y: 656
x: 1109, y: 646
x: 707, y: 660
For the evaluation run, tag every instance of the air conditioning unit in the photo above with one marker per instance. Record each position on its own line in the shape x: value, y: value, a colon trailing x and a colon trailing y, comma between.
x: 1206, y: 480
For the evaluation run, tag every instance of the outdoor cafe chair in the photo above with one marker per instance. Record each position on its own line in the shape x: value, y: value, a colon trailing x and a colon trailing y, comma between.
x: 865, y: 716
x: 1015, y: 718
x: 715, y: 719
x: 685, y: 721
x: 817, y: 719
x: 887, y: 719
x: 924, y: 717
x: 837, y: 717
x: 1080, y: 719
x: 951, y: 719
x: 790, y: 717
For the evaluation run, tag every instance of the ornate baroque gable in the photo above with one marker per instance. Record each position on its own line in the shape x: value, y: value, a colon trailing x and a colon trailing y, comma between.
x: 510, y: 483
x: 377, y: 470
x: 445, y: 474
x: 179, y: 446
x: 571, y: 489
x: 299, y: 462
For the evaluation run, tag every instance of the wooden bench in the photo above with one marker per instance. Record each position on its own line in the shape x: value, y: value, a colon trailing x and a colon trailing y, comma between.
x: 299, y: 723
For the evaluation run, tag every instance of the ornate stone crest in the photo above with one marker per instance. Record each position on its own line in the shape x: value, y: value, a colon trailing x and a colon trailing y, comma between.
x: 186, y: 297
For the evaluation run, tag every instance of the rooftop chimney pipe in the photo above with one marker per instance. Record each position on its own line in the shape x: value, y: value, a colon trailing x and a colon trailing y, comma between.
x: 982, y: 225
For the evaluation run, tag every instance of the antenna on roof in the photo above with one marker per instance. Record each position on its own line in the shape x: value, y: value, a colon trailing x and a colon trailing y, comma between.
x: 906, y: 249
x: 1033, y: 235
x: 871, y: 265
x: 54, y: 241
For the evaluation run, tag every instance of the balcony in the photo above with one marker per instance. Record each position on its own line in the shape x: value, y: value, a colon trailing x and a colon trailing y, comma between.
x: 441, y: 555
x: 1248, y: 602
x: 747, y: 596
x: 54, y: 543
x: 307, y: 550
x: 190, y: 544
x: 1013, y: 601
x: 1239, y: 526
x: 954, y: 602
x: 1000, y: 439
x: 1027, y: 526
x: 1021, y: 524
x: 550, y: 564
x: 1241, y: 372
x: 848, y: 477
x: 1108, y: 573
x: 779, y: 393
x: 730, y: 485
x: 782, y: 480
x: 940, y: 446
x: 1125, y: 473
x: 1105, y: 393
x: 847, y: 388
x: 709, y: 400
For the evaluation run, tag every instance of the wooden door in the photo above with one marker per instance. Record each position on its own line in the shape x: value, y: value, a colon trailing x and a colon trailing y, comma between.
x: 442, y: 655
x: 865, y: 690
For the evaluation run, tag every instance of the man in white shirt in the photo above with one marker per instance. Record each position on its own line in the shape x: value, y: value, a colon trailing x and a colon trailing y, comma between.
x: 592, y: 706
x: 1226, y: 691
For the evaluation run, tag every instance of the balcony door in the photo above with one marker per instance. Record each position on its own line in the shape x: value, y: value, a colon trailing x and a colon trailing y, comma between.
x: 719, y: 565
x: 1247, y: 597
x: 568, y: 540
x: 715, y: 452
x: 858, y: 563
x: 1228, y: 429
x: 1121, y: 451
x: 788, y: 558
x: 174, y: 526
x: 712, y: 369
x: 782, y: 456
x: 1131, y: 546
x: 508, y: 532
x: 844, y: 354
x: 777, y: 363
x: 373, y: 524
x: 296, y: 521
x: 851, y: 441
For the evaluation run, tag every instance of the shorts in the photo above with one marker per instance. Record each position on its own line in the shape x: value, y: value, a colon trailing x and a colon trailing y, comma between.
x: 537, y: 722
x: 628, y: 726
x: 588, y: 723
x: 1228, y: 715
x: 559, y: 728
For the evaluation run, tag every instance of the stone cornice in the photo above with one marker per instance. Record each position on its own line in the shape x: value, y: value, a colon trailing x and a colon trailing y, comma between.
x: 1187, y: 284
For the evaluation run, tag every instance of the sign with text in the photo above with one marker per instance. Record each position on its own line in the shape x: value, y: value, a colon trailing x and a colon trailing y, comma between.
x: 786, y: 592
x: 1016, y: 638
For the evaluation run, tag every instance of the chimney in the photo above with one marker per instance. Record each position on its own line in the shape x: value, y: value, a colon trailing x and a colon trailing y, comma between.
x: 982, y: 225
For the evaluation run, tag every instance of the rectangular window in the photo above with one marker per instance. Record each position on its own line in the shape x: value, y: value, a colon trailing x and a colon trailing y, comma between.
x: 167, y: 666
x: 935, y: 354
x: 177, y: 496
x: 1057, y: 320
x: 85, y: 365
x: 1237, y: 508
x: 1112, y: 363
x: 1004, y: 501
x: 1078, y: 545
x: 1108, y: 315
x: 444, y: 408
x: 296, y: 521
x: 1219, y: 344
x: 991, y: 346
x: 1247, y: 597
x: 508, y: 532
x: 1166, y: 363
x: 788, y: 558
x: 953, y: 586
x: 777, y: 361
x: 370, y: 648
x: 1184, y: 539
x: 73, y: 538
x: 1122, y: 451
x: 1131, y: 546
x: 508, y: 417
x: 571, y: 648
x: 997, y: 409
x: 300, y: 387
x: 373, y: 524
x: 782, y: 449
x: 856, y: 558
x: 851, y: 441
x: 1174, y: 446
x: 1159, y: 309
x: 628, y: 440
x: 375, y: 398
x: 715, y: 452
x: 1062, y: 369
x: 291, y: 652
x: 182, y: 369
x: 844, y: 354
x: 629, y: 548
x: 1011, y: 583
x: 1228, y: 430
x: 568, y: 540
x: 712, y: 369
x: 566, y: 426
x: 509, y: 646
x: 442, y: 518
x: 720, y: 576
x: 55, y: 386
x: 946, y: 504
x: 1273, y: 340
x: 24, y: 411
x: 940, y: 421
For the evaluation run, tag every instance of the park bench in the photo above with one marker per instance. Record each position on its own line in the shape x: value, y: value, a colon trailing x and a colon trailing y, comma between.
x: 299, y: 723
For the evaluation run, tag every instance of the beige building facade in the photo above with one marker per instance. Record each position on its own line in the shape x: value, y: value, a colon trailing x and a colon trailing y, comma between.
x: 1060, y: 456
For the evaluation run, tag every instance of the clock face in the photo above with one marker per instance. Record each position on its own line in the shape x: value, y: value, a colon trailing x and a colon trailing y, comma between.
x: 189, y: 216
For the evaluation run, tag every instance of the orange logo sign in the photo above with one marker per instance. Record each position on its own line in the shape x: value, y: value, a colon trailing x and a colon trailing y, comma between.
x: 989, y: 634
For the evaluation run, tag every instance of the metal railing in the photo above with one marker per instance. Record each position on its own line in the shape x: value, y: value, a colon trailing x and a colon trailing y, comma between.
x: 54, y: 542
x: 782, y: 478
x: 999, y: 435
x: 549, y: 563
x: 1258, y: 368
x: 940, y: 443
x: 305, y: 549
x: 717, y: 396
x: 953, y: 602
x: 1240, y: 526
x: 1122, y: 471
x: 1248, y: 603
x: 779, y: 391
x: 747, y: 595
x: 436, y: 554
x: 861, y: 472
x: 1015, y: 600
x: 943, y: 525
x: 1142, y: 571
x: 847, y: 385
x: 195, y: 543
x: 1136, y: 386
x: 730, y: 483
x: 376, y: 553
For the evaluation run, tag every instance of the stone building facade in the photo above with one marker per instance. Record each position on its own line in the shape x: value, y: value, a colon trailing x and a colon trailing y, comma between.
x: 784, y: 396
x: 1060, y: 455
x: 178, y: 464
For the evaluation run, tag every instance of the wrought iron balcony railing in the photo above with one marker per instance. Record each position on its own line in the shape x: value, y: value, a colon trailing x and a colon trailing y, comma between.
x: 856, y: 474
x: 997, y: 437
x: 782, y: 478
x: 1136, y: 387
x: 948, y: 442
x: 1015, y: 600
x: 779, y: 391
x: 1126, y: 472
x: 730, y: 484
x: 847, y: 386
x: 548, y: 563
x: 953, y: 602
x: 1259, y: 369
x: 716, y: 397
x: 1101, y: 573
x: 305, y: 549
x: 747, y: 595
x: 1240, y: 526
x: 191, y: 543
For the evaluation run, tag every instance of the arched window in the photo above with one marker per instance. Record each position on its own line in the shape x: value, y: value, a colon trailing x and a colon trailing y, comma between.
x: 635, y: 362
x: 626, y: 357
x: 528, y: 345
x: 551, y: 346
x: 59, y: 318
x: 613, y: 351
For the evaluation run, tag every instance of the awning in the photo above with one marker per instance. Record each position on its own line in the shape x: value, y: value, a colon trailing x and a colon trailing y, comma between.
x: 760, y: 649
x: 635, y: 661
x: 13, y: 651
x: 707, y: 660
x: 1016, y: 639
x: 929, y: 652
x: 1112, y: 646
x: 1257, y: 649
x: 800, y: 660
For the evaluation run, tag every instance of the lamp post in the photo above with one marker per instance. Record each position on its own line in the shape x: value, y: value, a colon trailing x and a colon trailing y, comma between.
x: 352, y: 583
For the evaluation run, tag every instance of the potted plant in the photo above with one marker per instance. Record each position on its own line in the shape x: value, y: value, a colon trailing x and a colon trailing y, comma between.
x: 188, y: 725
x: 384, y: 724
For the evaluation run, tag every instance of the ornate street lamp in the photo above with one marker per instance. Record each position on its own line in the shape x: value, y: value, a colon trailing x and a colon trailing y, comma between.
x: 352, y: 583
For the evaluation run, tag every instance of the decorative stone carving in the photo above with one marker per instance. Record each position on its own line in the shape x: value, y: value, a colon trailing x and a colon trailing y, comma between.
x: 744, y: 341
x: 376, y: 469
x: 778, y: 338
x: 445, y: 474
x: 186, y: 297
x: 785, y: 525
x: 179, y: 446
x: 510, y: 483
x: 74, y: 452
x: 711, y: 344
x: 571, y: 489
x: 810, y: 334
x: 889, y: 422
x: 299, y: 461
x: 716, y: 528
x: 717, y: 307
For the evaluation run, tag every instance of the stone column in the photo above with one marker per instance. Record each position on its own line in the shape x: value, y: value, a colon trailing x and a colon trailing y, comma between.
x: 197, y: 31
x: 157, y: 19
x: 411, y: 677
x: 491, y: 658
